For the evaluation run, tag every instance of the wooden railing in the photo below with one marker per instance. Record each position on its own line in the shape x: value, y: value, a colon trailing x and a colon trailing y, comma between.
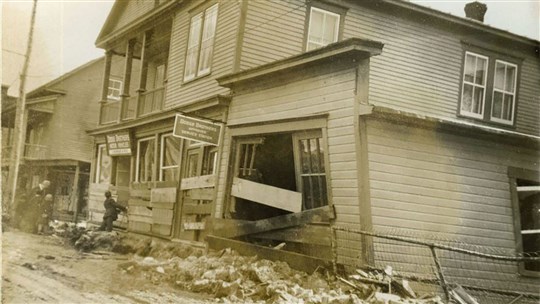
x: 151, y: 101
x: 109, y: 112
x: 31, y: 152
x: 129, y: 107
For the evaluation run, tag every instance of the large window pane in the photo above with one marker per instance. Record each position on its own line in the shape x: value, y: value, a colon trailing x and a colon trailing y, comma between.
x: 201, y: 43
x: 170, y: 156
x: 146, y: 160
x: 323, y: 28
x: 104, y: 166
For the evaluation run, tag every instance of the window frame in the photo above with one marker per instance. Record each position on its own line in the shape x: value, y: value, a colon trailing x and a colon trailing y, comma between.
x: 162, y: 154
x: 100, y: 149
x: 492, y: 57
x: 524, y: 174
x: 137, y: 160
x: 112, y: 97
x: 335, y: 9
x: 198, y: 73
x: 504, y: 92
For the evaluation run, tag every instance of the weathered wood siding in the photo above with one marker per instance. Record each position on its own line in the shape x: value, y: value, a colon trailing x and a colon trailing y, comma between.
x: 328, y: 93
x: 74, y: 113
x: 274, y: 30
x: 447, y: 186
x: 130, y: 11
x: 180, y: 93
x: 418, y: 71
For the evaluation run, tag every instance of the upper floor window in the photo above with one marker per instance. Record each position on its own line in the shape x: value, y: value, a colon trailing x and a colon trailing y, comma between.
x: 488, y: 93
x: 115, y: 89
x: 323, y: 28
x: 201, y: 43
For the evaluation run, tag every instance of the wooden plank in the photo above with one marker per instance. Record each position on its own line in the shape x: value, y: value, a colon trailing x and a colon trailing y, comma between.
x: 140, y: 210
x: 166, y: 195
x: 205, y: 181
x: 138, y: 202
x: 198, y: 209
x: 141, y: 218
x: 278, y: 222
x: 528, y: 189
x: 267, y: 195
x: 295, y: 260
x: 206, y: 194
x: 138, y: 226
x: 162, y: 216
x: 162, y: 205
x: 144, y: 193
x: 194, y: 225
x: 309, y: 234
x: 160, y: 229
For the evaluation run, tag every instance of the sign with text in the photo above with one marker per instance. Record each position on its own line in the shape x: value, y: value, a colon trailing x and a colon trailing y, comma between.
x: 197, y: 129
x: 119, y: 144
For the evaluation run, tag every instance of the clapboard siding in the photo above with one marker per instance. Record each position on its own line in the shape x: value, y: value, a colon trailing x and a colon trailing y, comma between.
x: 443, y: 183
x: 74, y: 113
x: 274, y: 30
x: 132, y: 10
x: 180, y: 93
x: 420, y: 67
x: 331, y: 93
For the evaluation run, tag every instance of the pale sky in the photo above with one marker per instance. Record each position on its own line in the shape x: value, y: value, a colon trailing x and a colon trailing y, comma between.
x: 66, y: 30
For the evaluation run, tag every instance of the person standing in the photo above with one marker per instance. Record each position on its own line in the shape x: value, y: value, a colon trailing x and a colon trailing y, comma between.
x: 112, y: 209
x: 46, y: 212
x: 29, y: 213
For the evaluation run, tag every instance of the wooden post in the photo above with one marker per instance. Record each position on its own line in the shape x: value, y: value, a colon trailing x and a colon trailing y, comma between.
x: 440, y: 273
x: 106, y: 76
x: 144, y: 70
x: 75, y: 191
x: 20, y: 123
x: 124, y: 97
x: 178, y: 207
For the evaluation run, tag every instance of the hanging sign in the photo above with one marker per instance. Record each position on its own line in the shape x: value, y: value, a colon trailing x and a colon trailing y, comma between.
x: 197, y: 129
x: 118, y: 144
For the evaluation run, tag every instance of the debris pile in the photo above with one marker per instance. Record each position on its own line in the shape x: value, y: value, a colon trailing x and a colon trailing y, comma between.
x: 233, y: 278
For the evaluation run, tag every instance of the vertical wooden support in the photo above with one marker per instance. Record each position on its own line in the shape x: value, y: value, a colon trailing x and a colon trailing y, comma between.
x: 106, y: 76
x: 440, y: 273
x: 127, y: 76
x: 144, y: 70
x: 333, y: 236
x: 75, y: 191
x: 178, y: 206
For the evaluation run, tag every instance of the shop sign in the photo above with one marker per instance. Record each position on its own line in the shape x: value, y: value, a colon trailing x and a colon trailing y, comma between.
x: 197, y: 129
x: 119, y: 144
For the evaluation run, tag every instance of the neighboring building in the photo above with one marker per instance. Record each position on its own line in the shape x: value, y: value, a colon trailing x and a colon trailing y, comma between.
x: 57, y: 147
x: 393, y: 114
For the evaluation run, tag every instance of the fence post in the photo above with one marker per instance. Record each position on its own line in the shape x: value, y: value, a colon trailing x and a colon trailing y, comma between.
x: 334, y: 249
x: 440, y: 272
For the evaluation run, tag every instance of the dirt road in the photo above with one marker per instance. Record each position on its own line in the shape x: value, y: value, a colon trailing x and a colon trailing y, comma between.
x: 40, y: 269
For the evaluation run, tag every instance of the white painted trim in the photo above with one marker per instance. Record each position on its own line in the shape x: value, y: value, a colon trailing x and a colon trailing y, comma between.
x: 528, y: 189
x: 530, y: 231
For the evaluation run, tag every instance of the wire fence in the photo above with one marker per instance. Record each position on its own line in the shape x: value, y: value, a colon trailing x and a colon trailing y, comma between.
x: 448, y: 267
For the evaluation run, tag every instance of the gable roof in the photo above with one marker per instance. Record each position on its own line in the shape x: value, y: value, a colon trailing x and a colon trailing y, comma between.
x: 115, y: 12
x: 46, y: 89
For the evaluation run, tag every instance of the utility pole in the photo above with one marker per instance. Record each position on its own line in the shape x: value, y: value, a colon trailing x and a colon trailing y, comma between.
x: 20, y: 123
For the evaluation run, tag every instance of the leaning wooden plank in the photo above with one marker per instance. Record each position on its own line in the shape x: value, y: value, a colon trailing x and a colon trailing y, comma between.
x: 295, y: 260
x: 267, y: 195
x: 198, y: 209
x: 308, y: 234
x: 205, y: 181
x: 278, y: 222
x: 163, y: 195
x: 206, y: 194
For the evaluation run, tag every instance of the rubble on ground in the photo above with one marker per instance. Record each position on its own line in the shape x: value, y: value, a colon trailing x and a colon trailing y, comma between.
x: 232, y: 278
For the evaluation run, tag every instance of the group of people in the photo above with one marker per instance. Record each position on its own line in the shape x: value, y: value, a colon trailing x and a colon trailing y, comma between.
x: 35, y: 213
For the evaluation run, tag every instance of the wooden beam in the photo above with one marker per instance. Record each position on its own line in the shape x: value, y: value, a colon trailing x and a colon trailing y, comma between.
x: 308, y: 234
x: 267, y: 195
x: 165, y: 195
x: 194, y: 225
x: 295, y: 260
x: 205, y: 194
x: 204, y: 181
x: 198, y: 209
x: 278, y: 222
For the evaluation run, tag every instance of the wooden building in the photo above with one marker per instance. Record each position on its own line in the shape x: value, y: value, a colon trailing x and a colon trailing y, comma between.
x: 371, y: 115
x: 57, y: 147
